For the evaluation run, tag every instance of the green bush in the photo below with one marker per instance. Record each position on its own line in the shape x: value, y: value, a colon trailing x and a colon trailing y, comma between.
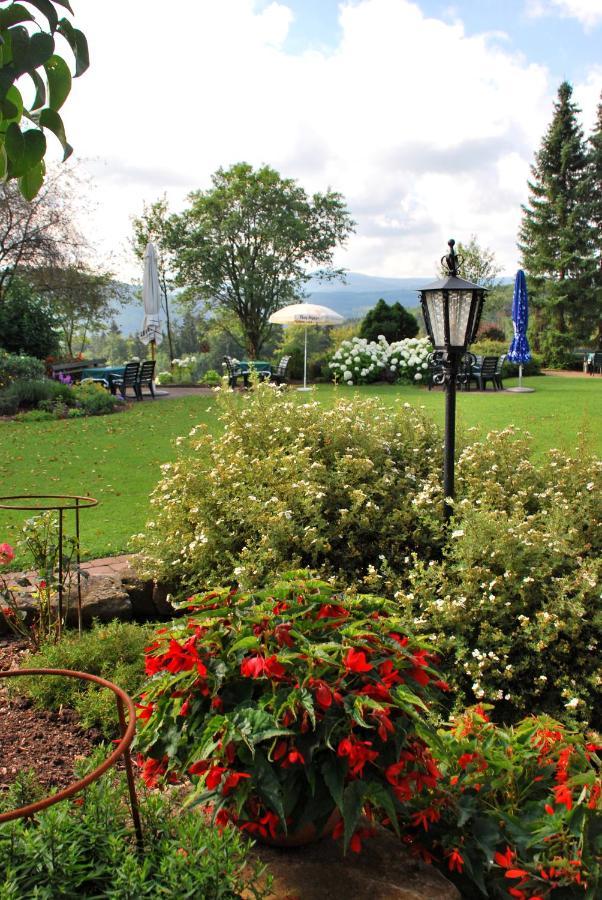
x: 27, y: 321
x: 514, y: 605
x: 165, y: 378
x: 289, y: 484
x: 393, y: 321
x: 87, y: 848
x: 94, y: 399
x: 31, y: 393
x: 15, y: 367
x: 114, y: 651
x: 557, y: 349
x: 37, y: 415
x: 211, y: 377
x: 8, y: 403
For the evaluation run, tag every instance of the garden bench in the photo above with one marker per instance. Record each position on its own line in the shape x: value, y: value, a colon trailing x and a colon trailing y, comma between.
x: 235, y: 372
x: 128, y: 379
x: 499, y: 371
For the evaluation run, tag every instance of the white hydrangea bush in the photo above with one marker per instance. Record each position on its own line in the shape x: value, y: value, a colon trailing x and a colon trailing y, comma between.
x: 359, y: 361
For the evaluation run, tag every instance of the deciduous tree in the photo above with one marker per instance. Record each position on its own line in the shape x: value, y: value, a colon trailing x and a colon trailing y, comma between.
x: 244, y: 245
x: 393, y: 321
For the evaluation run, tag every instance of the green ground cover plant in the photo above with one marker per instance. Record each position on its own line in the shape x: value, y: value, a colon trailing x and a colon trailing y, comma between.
x: 117, y: 458
x: 86, y: 847
x: 114, y: 651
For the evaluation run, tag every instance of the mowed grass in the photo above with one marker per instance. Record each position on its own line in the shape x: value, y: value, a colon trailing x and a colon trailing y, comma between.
x: 117, y: 458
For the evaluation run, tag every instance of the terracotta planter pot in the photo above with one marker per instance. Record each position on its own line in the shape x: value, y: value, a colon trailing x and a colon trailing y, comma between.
x: 308, y: 834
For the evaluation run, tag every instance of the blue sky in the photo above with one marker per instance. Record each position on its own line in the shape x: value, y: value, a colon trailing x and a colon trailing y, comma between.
x: 559, y: 42
x: 425, y: 115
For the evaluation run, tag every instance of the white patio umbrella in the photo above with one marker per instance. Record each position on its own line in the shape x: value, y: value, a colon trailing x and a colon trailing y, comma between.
x: 305, y: 314
x: 151, y: 299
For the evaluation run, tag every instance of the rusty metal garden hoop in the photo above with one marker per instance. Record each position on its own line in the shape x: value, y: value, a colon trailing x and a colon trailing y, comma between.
x: 80, y: 503
x: 122, y: 749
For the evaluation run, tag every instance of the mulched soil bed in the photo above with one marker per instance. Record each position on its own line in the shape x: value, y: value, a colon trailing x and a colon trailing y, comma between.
x: 49, y: 743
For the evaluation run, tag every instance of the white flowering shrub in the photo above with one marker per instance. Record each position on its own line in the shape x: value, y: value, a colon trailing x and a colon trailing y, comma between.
x: 183, y: 369
x: 287, y: 484
x: 514, y: 605
x: 359, y: 361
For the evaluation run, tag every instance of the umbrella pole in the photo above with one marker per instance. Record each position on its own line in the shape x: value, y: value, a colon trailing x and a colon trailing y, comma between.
x: 152, y: 343
x: 520, y: 375
x: 305, y: 362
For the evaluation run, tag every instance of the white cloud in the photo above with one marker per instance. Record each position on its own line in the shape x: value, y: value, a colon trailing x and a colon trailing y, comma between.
x: 426, y: 131
x: 587, y: 12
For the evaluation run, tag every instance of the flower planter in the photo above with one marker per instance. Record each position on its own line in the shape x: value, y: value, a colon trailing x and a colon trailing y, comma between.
x: 308, y: 834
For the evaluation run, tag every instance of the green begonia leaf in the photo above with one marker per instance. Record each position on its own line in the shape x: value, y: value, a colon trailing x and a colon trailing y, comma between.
x: 14, y: 142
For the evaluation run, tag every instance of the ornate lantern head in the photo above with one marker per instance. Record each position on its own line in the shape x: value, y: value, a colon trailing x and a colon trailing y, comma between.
x: 452, y: 308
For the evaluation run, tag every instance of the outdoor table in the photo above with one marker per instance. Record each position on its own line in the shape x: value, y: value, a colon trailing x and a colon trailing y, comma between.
x: 257, y: 365
x: 107, y: 373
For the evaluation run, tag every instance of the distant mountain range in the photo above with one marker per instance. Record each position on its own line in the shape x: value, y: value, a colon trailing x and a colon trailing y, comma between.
x: 351, y: 299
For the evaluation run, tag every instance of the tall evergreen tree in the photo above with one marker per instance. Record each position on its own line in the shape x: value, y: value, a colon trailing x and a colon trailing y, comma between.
x: 556, y: 235
x: 594, y: 197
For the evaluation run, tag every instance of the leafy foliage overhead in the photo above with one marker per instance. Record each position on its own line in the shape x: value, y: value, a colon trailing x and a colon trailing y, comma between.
x: 28, y: 32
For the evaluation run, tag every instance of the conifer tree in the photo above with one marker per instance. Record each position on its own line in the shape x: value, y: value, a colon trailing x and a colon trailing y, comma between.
x: 594, y: 199
x: 556, y: 235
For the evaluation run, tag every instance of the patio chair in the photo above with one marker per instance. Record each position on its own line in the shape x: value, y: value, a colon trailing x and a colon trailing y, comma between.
x: 128, y: 379
x: 279, y: 373
x: 499, y: 371
x: 235, y: 372
x: 485, y: 372
x: 145, y: 377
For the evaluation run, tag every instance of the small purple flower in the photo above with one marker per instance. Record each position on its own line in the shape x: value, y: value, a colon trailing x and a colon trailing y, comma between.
x: 65, y: 379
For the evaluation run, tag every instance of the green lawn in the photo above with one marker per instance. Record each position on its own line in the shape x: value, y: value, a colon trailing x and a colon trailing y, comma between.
x: 116, y: 458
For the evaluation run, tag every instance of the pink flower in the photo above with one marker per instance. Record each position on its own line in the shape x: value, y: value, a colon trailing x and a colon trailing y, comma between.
x: 7, y: 554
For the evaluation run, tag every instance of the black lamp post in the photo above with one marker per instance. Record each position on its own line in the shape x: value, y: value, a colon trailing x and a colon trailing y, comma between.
x: 452, y: 310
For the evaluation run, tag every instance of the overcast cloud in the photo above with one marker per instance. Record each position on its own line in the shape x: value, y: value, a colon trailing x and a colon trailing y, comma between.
x: 427, y: 132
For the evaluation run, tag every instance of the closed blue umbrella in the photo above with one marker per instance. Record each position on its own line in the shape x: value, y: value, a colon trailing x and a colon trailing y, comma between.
x: 519, y: 351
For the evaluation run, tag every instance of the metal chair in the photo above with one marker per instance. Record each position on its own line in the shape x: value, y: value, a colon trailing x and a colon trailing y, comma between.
x: 596, y: 363
x: 128, y: 379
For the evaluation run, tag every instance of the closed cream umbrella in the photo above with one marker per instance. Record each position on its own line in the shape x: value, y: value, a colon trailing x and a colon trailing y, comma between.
x: 151, y: 299
x: 305, y: 314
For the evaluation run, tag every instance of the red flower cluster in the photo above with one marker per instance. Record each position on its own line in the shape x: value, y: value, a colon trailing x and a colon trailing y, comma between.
x: 260, y: 667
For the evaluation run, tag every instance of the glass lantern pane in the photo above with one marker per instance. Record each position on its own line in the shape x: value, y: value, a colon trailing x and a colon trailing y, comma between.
x: 459, y: 311
x: 434, y: 304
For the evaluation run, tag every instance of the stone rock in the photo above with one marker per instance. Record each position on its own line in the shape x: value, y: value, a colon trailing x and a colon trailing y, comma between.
x: 161, y: 601
x: 140, y: 594
x: 103, y: 598
x: 384, y: 870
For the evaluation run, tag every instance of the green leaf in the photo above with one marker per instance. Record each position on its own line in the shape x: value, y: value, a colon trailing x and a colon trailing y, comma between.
x: 34, y: 147
x: 3, y: 160
x: 59, y: 81
x: 47, y: 9
x: 353, y: 801
x: 50, y: 119
x: 380, y: 796
x: 41, y: 48
x: 78, y: 43
x: 268, y: 786
x: 40, y: 97
x: 332, y: 772
x: 14, y: 142
x: 31, y: 182
x: 14, y: 14
x: 245, y: 643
